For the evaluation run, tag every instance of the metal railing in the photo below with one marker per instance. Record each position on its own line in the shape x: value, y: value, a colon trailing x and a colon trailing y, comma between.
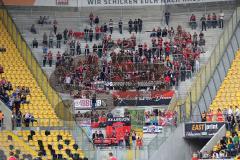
x: 27, y: 55
x: 206, y: 71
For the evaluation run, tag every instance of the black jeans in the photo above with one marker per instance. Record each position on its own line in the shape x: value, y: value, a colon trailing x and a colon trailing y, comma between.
x: 204, y: 27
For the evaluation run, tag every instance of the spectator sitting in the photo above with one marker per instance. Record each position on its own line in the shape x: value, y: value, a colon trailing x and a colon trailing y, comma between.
x: 35, y: 43
x: 3, y: 49
x: 33, y: 29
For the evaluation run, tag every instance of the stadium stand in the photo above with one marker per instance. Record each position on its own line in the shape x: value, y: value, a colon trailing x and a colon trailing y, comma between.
x: 22, y: 90
x: 12, y: 143
x: 16, y: 71
x: 19, y: 75
x: 227, y: 97
x: 52, y: 144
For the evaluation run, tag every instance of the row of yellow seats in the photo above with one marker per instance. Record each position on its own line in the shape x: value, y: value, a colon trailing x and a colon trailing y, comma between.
x: 20, y: 75
x: 52, y: 139
x: 228, y: 94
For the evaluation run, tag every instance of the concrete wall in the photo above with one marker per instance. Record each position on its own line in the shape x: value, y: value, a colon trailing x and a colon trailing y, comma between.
x: 7, y: 116
x: 176, y: 147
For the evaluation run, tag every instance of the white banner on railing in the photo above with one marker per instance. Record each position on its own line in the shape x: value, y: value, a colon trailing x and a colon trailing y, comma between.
x: 116, y: 3
x: 85, y: 103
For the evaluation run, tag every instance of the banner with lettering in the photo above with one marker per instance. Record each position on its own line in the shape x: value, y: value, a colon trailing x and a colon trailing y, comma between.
x: 142, y: 98
x: 82, y: 103
x: 202, y: 129
x: 102, y: 3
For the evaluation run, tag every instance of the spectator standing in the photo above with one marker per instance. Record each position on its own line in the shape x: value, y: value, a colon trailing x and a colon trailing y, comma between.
x: 1, y: 118
x: 94, y: 101
x: 167, y: 17
x: 50, y: 58
x: 140, y: 25
x: 45, y: 49
x: 91, y: 18
x: 79, y: 48
x: 221, y: 17
x: 51, y: 40
x: 120, y: 25
x: 86, y: 33
x: 87, y: 50
x: 111, y: 157
x: 11, y: 156
x: 193, y: 22
x: 105, y: 28
x: 135, y: 25
x: 214, y: 20
x: 65, y: 35
x: 44, y: 60
x: 111, y: 26
x: 55, y: 29
x: 197, y: 65
x: 237, y: 115
x: 130, y: 26
x: 203, y: 20
x: 90, y: 34
x: 139, y: 143
x: 35, y: 43
x: 95, y: 135
x: 126, y: 138
x: 97, y: 32
x: 96, y: 20
x: 209, y: 21
x: 134, y: 139
x: 59, y: 39
x: 45, y: 39
x: 33, y: 29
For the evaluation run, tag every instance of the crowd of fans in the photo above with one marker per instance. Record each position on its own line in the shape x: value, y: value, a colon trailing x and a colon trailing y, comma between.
x: 209, y: 21
x: 228, y: 147
x: 14, y: 99
x: 229, y: 115
x: 124, y: 60
x: 173, y: 55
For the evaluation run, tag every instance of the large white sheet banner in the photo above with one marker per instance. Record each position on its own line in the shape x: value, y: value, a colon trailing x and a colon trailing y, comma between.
x: 88, y: 3
x: 106, y: 3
